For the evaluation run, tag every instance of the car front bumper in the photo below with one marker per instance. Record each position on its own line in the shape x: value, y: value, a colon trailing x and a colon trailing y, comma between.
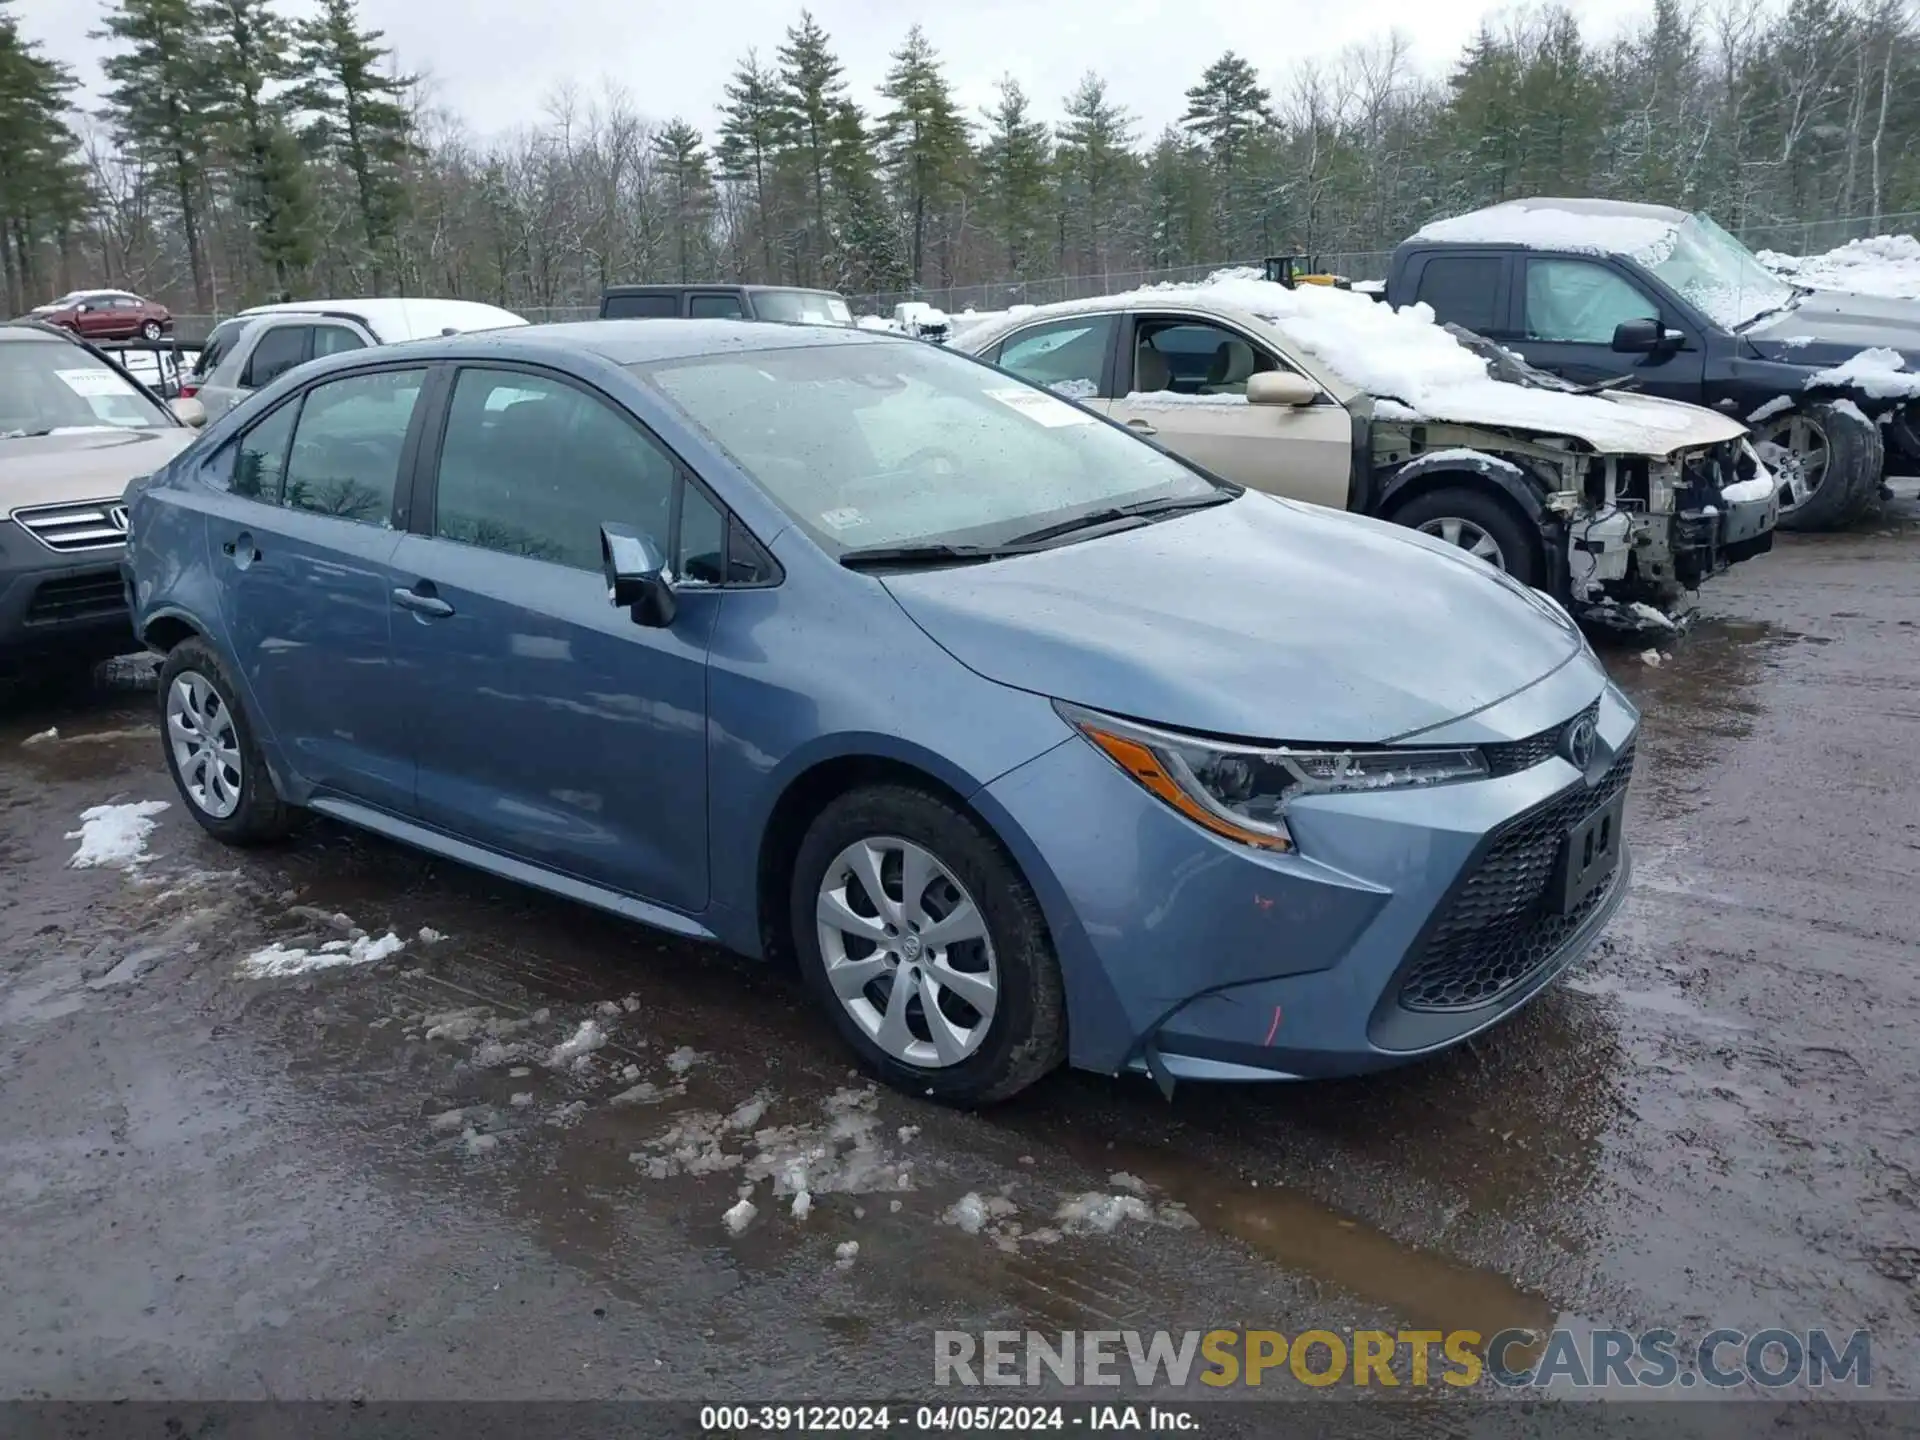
x: 1708, y: 540
x: 58, y: 605
x: 1406, y: 921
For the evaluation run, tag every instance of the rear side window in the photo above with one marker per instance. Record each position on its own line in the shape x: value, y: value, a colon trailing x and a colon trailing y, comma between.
x: 1464, y: 290
x: 1066, y: 356
x: 715, y: 307
x: 347, y: 447
x: 335, y: 340
x: 274, y: 353
x: 640, y: 307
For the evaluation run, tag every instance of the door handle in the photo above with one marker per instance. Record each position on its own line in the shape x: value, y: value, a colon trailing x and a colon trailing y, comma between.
x: 421, y: 604
x: 1141, y: 427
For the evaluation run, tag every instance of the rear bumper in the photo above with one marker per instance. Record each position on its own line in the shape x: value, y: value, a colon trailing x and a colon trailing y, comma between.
x: 60, y: 605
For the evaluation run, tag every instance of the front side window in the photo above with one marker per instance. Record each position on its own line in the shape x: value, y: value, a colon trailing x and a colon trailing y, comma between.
x: 539, y: 473
x: 1068, y: 357
x: 1193, y: 357
x: 346, y: 449
x: 1578, y: 302
x: 46, y: 387
x: 277, y: 351
x: 887, y: 443
x: 715, y: 307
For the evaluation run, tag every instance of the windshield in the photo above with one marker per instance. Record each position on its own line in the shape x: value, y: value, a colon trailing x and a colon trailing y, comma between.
x: 894, y: 443
x: 801, y: 307
x: 1720, y: 276
x: 47, y: 387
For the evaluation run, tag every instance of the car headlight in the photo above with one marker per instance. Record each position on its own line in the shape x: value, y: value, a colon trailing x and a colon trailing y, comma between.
x: 1243, y: 791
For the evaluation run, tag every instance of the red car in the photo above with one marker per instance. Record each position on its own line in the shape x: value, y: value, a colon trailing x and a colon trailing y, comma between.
x: 107, y: 315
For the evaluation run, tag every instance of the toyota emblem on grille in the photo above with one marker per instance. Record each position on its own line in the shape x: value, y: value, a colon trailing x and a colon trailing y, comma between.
x: 117, y: 517
x: 1582, y: 736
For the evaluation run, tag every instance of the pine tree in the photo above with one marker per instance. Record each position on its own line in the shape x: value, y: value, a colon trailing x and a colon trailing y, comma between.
x: 863, y: 254
x: 360, y: 120
x: 1014, y: 169
x: 252, y: 50
x: 750, y: 140
x: 923, y: 138
x: 40, y: 187
x: 159, y: 79
x: 1095, y: 163
x: 812, y: 97
x: 1178, y: 199
x: 1227, y: 108
x: 681, y: 152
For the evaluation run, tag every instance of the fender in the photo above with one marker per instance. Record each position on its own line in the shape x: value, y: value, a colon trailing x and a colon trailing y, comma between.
x: 1508, y: 477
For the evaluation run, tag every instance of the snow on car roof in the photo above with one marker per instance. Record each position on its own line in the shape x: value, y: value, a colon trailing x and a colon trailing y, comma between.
x: 1404, y: 356
x: 394, y: 320
x: 1613, y: 227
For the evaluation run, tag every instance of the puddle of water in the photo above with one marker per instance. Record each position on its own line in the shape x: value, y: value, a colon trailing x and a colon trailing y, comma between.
x: 1658, y: 1002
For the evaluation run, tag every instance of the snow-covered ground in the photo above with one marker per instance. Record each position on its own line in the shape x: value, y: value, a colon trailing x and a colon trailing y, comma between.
x: 1882, y: 265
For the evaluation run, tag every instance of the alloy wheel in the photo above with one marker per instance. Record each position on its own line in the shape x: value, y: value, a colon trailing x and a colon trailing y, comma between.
x: 907, y: 952
x: 1795, y: 448
x: 1468, y: 536
x: 206, y: 746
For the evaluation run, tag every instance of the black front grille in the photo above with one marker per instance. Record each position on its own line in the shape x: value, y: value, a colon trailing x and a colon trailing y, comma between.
x: 1504, y: 922
x: 78, y: 597
x: 1517, y: 755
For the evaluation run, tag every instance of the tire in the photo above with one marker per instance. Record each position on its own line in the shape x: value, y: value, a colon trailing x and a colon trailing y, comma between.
x: 151, y: 330
x: 1022, y: 1039
x: 1849, y: 480
x: 1464, y: 511
x: 242, y: 807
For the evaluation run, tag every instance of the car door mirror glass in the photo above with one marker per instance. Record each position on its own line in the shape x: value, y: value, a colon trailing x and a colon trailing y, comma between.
x: 1281, y: 387
x: 636, y: 575
x: 189, y: 411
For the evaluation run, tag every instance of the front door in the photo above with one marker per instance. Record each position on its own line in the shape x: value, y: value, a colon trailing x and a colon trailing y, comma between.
x: 1184, y: 381
x: 1572, y: 308
x: 302, y: 538
x: 548, y: 725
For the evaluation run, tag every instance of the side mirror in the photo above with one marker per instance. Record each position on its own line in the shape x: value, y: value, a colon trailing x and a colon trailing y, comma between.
x: 188, y: 411
x: 1281, y: 387
x: 1645, y: 337
x: 636, y: 575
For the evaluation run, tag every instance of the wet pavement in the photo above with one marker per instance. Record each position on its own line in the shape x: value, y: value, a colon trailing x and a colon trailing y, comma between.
x: 496, y: 1163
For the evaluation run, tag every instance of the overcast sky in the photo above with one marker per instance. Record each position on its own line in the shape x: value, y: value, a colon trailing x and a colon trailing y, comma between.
x: 493, y: 61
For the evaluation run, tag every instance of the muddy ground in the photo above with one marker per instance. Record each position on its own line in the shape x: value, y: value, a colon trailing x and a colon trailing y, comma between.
x: 220, y: 1186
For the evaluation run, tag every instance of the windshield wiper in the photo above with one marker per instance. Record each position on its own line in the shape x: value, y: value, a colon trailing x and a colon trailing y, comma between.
x: 874, y: 557
x: 1113, y: 514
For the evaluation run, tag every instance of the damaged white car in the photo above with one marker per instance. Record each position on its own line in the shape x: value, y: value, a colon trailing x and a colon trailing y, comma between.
x: 1615, y: 504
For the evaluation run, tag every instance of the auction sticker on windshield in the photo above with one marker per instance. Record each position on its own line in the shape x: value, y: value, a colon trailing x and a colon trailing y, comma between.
x: 1041, y: 408
x: 90, y: 384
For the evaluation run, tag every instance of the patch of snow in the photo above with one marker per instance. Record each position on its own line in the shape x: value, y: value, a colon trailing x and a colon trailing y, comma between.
x: 748, y: 1114
x: 478, y: 1144
x: 1878, y: 373
x: 1741, y: 491
x: 1846, y: 407
x: 519, y: 1072
x: 1394, y: 410
x: 610, y: 1008
x: 43, y: 736
x: 740, y: 1215
x: 582, y: 1043
x: 1174, y: 400
x: 448, y: 1121
x: 1121, y: 1180
x: 843, y: 1155
x: 630, y: 1003
x: 645, y: 1093
x: 1097, y: 1213
x: 908, y: 1133
x: 1075, y: 389
x: 684, y: 1059
x: 429, y: 935
x: 1779, y: 405
x: 972, y: 1213
x: 802, y: 1204
x: 630, y: 1073
x: 1648, y: 615
x: 567, y: 1114
x: 521, y: 1099
x: 115, y: 835
x: 1881, y: 265
x: 845, y: 1253
x: 278, y: 961
x: 1540, y: 227
x: 1650, y: 657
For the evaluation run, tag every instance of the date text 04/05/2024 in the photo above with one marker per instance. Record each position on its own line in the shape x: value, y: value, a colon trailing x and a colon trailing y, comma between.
x: 944, y: 1419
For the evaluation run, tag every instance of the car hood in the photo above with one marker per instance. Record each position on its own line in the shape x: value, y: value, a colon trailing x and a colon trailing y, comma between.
x: 1829, y: 326
x: 1261, y: 618
x: 82, y: 464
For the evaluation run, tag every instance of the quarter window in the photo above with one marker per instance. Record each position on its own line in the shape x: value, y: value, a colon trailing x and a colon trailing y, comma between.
x: 275, y: 353
x: 539, y: 474
x: 1579, y: 303
x: 347, y: 446
x: 260, y: 460
x: 1066, y: 356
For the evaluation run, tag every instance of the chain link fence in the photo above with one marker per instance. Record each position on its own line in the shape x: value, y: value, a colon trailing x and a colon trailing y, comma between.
x: 1792, y: 237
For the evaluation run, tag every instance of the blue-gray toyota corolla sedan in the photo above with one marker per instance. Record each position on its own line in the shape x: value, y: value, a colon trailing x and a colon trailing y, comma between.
x: 1027, y: 741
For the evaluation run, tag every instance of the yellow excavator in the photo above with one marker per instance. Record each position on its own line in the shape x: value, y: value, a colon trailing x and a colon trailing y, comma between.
x: 1294, y: 270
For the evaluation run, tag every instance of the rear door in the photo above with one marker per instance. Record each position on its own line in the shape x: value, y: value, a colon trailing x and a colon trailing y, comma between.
x: 1570, y: 306
x: 301, y: 539
x: 1183, y: 380
x: 548, y: 725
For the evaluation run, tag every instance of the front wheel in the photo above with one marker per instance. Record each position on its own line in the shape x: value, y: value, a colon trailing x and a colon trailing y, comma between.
x: 926, y: 947
x: 1484, y: 527
x: 1828, y: 457
x: 212, y: 753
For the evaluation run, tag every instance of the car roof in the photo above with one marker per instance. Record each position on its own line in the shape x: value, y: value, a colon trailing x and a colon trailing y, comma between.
x: 32, y: 330
x: 1551, y: 222
x: 397, y: 317
x: 640, y: 342
x: 674, y: 287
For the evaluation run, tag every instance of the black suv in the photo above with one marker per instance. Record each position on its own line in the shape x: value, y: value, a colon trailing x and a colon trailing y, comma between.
x: 725, y: 302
